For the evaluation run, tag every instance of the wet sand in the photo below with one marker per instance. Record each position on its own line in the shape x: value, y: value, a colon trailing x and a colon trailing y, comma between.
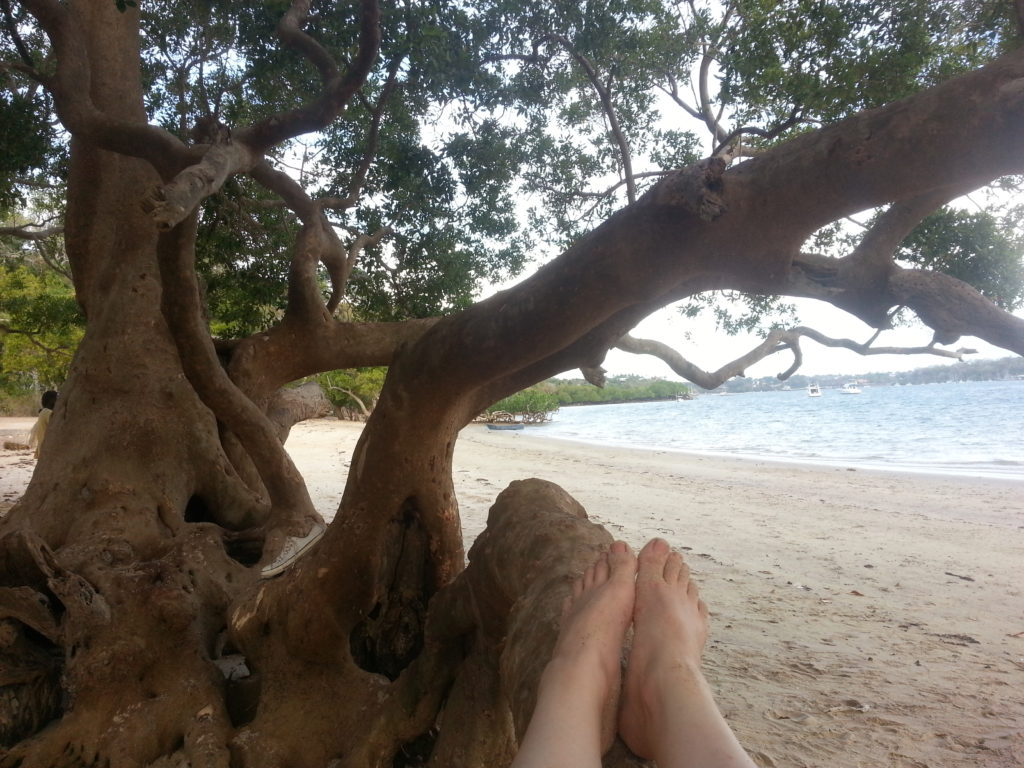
x: 859, y: 618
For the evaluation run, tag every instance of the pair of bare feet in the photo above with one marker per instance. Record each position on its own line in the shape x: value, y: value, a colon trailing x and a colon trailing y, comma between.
x: 663, y: 709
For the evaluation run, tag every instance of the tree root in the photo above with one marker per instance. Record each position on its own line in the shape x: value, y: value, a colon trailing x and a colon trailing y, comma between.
x: 537, y: 541
x: 131, y: 735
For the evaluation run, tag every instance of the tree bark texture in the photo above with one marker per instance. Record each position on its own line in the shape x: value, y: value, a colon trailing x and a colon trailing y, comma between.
x: 134, y: 628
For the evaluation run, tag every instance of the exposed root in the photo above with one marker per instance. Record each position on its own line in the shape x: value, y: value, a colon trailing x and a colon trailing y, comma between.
x: 538, y: 539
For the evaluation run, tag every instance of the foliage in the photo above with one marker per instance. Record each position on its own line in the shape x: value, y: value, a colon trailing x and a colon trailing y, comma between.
x: 496, y: 132
x: 826, y: 60
x: 40, y: 327
x: 742, y: 312
x: 357, y: 388
x: 242, y: 254
x: 531, y: 401
x: 25, y: 136
x: 977, y: 248
x: 549, y: 395
x: 617, y: 389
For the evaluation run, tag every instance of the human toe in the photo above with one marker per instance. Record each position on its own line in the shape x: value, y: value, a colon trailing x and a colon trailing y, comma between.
x: 621, y: 561
x: 651, y: 563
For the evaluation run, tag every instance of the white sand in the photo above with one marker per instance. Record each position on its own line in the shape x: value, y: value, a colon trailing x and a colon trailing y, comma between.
x: 860, y: 618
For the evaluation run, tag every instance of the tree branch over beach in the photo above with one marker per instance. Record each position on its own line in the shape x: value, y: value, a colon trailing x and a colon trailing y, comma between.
x: 776, y: 341
x: 157, y: 542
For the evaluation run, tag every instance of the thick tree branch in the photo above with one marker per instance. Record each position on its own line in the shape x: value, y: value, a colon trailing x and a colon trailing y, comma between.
x: 260, y: 364
x: 954, y: 309
x: 746, y: 233
x: 858, y: 283
x: 242, y: 151
x: 289, y: 497
x: 171, y: 203
x: 697, y: 189
x: 589, y: 350
x: 338, y: 88
x: 317, y: 243
x: 708, y: 380
x: 879, y: 243
x: 71, y: 89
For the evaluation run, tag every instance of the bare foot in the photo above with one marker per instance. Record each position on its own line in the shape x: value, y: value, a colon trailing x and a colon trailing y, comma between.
x: 599, y: 609
x: 574, y: 721
x: 670, y: 630
x: 595, y: 618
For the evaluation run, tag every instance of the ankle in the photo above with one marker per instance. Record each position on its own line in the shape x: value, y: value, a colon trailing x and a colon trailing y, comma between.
x: 665, y: 680
x: 575, y: 684
x: 579, y: 671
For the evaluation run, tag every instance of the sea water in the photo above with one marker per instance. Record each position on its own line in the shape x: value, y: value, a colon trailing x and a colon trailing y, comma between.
x: 968, y: 428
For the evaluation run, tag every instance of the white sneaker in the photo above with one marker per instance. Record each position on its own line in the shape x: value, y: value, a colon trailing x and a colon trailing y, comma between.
x: 294, y: 547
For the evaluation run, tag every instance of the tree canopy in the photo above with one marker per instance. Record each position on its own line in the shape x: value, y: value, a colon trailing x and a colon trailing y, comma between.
x: 487, y: 137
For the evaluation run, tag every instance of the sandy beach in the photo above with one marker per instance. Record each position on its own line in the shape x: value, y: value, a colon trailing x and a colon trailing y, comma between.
x: 859, y: 618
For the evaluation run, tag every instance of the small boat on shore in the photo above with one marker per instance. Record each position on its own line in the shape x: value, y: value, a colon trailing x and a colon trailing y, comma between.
x: 504, y: 426
x: 813, y: 390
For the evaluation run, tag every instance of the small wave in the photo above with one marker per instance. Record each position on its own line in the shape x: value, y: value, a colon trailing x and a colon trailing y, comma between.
x: 969, y: 429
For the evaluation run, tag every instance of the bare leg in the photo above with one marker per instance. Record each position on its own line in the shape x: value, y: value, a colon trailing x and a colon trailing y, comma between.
x: 573, y: 723
x: 668, y: 712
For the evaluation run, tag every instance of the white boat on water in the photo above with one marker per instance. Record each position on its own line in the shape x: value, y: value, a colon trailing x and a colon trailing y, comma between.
x: 813, y: 390
x: 849, y: 389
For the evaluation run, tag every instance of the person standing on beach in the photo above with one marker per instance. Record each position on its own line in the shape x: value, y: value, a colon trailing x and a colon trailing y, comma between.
x: 668, y: 713
x: 35, y: 437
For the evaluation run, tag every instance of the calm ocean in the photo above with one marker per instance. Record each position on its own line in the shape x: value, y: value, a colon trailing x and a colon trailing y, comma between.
x: 971, y: 428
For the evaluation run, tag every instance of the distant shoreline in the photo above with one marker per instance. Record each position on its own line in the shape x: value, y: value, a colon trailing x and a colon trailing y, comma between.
x: 624, y: 402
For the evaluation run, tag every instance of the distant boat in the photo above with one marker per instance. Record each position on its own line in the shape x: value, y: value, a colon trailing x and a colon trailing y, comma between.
x: 849, y: 389
x: 813, y: 390
x: 504, y: 426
